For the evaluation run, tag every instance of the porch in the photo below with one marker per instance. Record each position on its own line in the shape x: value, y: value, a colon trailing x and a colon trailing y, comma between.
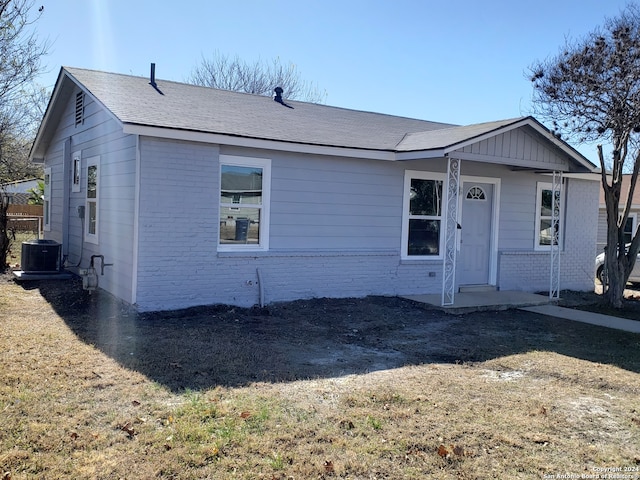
x: 473, y: 301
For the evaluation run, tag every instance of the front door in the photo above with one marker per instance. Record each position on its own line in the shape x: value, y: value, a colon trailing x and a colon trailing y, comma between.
x: 475, y: 235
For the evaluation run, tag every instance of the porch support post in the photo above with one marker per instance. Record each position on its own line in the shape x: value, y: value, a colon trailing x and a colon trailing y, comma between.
x: 556, y: 189
x: 451, y: 230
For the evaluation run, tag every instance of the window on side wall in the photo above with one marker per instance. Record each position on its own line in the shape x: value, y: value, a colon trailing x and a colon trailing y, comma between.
x: 544, y: 232
x: 244, y: 203
x: 46, y: 201
x: 630, y: 228
x: 91, y: 215
x: 422, y: 222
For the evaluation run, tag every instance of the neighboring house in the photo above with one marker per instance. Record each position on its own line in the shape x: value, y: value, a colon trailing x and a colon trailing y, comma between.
x: 19, y: 191
x: 631, y: 226
x: 197, y: 196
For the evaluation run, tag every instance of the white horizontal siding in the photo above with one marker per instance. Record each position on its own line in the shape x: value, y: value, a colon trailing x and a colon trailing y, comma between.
x: 335, y: 230
x: 518, y: 210
x: 335, y: 204
x: 98, y: 136
x: 519, y: 145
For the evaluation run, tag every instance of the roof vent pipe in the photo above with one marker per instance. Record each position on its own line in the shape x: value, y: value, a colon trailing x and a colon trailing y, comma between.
x: 153, y: 76
x: 278, y: 97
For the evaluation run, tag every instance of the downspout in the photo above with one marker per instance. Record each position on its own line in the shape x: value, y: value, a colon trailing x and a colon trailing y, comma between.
x: 136, y: 225
x: 66, y: 192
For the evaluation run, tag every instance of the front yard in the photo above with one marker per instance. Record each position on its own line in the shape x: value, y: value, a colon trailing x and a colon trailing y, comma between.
x: 356, y: 388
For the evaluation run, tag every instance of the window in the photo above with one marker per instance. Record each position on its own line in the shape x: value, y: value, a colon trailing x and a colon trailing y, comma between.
x: 422, y: 215
x: 244, y: 203
x: 543, y: 229
x: 46, y: 203
x: 75, y: 171
x: 476, y: 193
x: 629, y: 228
x: 91, y: 216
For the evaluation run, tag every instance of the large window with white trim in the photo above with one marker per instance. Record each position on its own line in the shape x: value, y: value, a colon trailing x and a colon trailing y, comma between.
x: 544, y: 231
x: 422, y: 220
x: 91, y: 220
x: 245, y: 185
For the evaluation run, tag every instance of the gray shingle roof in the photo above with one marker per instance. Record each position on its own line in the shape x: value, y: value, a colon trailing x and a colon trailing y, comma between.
x: 447, y: 137
x: 187, y: 107
x: 183, y: 107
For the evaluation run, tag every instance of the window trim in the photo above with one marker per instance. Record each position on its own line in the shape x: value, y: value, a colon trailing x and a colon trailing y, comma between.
x: 540, y: 186
x: 46, y: 201
x: 92, y: 237
x: 404, y: 247
x: 264, y: 207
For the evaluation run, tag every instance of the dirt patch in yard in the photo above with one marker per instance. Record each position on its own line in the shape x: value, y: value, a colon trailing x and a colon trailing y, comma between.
x: 204, y: 347
x: 374, y: 388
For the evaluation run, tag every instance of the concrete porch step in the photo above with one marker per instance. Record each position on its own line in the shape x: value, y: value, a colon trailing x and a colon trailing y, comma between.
x: 476, y: 288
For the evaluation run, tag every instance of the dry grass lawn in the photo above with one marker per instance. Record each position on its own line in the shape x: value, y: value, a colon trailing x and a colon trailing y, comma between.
x: 388, y: 390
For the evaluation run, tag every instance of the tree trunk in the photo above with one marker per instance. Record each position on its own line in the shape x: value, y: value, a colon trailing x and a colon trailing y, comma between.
x: 615, y: 260
x: 614, y: 293
x: 5, y: 242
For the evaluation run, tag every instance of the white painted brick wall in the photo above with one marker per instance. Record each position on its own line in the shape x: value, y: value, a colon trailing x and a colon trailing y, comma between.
x: 233, y: 279
x: 578, y: 256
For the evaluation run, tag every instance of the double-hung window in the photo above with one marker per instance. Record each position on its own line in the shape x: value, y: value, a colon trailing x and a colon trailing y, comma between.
x: 245, y: 185
x: 92, y: 200
x: 630, y: 228
x: 544, y: 230
x: 422, y: 221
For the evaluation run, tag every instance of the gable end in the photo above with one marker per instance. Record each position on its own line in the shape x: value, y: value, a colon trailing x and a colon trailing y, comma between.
x: 517, y: 147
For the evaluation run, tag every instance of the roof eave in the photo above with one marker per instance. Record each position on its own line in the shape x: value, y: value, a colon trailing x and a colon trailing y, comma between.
x: 252, y: 142
x: 36, y: 153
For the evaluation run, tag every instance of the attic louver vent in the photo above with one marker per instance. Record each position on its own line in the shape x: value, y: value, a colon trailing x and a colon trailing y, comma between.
x: 79, y: 108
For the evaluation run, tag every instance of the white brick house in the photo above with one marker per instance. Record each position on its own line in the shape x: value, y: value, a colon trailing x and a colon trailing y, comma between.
x: 198, y: 196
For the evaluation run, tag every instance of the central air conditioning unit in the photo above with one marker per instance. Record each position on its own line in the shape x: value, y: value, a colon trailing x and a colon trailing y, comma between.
x: 40, y: 256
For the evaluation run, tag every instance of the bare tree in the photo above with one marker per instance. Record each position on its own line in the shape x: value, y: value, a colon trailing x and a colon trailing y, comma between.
x: 260, y: 78
x: 591, y: 93
x: 20, y: 102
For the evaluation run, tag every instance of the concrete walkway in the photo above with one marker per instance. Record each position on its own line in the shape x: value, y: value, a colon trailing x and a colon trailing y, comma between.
x: 586, y: 317
x: 469, y: 302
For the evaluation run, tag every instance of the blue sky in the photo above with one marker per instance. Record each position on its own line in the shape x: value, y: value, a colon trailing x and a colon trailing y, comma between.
x: 452, y: 61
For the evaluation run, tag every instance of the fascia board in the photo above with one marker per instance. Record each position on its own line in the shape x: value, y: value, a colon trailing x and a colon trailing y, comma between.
x: 216, y: 138
x: 34, y: 151
x: 420, y: 154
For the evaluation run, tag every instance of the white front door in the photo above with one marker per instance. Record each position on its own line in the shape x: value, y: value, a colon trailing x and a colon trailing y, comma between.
x: 475, y: 236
